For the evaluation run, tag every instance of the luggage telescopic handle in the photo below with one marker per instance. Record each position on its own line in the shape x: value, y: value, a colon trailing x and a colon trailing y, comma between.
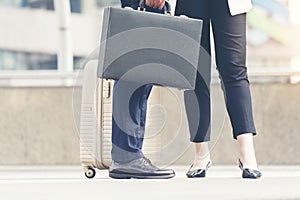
x: 142, y: 5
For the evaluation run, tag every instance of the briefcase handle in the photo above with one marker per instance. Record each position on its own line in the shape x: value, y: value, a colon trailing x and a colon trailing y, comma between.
x: 167, y: 6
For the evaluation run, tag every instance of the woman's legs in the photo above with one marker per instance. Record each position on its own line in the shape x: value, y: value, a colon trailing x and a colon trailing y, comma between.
x: 230, y: 44
x: 199, y: 125
x: 230, y: 41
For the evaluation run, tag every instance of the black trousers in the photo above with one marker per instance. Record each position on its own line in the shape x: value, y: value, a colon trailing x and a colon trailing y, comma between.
x: 230, y: 44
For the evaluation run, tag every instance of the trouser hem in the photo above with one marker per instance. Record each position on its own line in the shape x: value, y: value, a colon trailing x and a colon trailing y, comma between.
x: 244, y: 132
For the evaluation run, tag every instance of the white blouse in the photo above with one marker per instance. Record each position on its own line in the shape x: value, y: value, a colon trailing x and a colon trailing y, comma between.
x: 239, y: 6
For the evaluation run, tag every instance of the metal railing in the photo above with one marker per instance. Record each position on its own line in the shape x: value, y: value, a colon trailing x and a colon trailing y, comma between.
x: 54, y: 78
x: 38, y: 79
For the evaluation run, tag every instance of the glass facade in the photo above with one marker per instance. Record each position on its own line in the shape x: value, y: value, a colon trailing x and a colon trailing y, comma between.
x: 14, y: 60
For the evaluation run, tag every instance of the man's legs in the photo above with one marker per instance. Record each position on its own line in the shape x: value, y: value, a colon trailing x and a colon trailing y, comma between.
x: 128, y: 131
x: 128, y: 128
x: 129, y: 115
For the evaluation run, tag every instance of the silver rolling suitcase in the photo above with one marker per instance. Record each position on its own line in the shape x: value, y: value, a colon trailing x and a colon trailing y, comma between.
x: 96, y: 122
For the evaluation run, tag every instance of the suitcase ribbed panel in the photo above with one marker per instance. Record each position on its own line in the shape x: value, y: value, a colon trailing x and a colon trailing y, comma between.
x: 106, y: 122
x: 88, y: 130
x: 88, y: 117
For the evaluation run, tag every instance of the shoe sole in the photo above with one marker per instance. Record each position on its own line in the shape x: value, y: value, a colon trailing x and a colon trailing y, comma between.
x: 245, y: 176
x: 135, y: 176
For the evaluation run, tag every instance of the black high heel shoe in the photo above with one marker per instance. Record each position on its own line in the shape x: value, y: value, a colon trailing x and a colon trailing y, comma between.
x: 198, y: 173
x: 249, y: 173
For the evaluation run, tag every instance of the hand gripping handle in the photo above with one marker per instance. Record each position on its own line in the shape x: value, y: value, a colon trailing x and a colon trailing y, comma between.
x: 167, y: 8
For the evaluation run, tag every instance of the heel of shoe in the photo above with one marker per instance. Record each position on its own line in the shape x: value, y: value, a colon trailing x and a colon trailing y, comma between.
x: 209, y: 164
x: 118, y: 176
x: 240, y: 164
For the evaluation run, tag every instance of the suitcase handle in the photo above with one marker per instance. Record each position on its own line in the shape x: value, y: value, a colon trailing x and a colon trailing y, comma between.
x: 142, y: 5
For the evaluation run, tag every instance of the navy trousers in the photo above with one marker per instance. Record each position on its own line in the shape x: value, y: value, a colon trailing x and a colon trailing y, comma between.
x: 129, y: 117
x: 230, y: 45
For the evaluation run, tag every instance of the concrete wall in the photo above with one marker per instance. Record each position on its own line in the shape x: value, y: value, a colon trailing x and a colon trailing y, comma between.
x: 37, y: 126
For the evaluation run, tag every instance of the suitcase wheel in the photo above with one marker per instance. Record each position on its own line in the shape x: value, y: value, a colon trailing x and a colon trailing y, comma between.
x: 90, y: 172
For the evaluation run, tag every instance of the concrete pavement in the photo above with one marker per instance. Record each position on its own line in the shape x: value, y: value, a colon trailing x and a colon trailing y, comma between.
x: 223, y: 182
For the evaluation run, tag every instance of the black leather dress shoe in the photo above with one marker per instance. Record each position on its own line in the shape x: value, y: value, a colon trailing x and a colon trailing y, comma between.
x: 249, y: 173
x: 198, y: 173
x: 141, y: 168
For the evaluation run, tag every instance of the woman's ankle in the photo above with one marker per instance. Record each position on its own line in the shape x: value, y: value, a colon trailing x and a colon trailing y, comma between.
x: 247, y: 152
x: 201, y: 150
x: 200, y: 163
x: 202, y: 155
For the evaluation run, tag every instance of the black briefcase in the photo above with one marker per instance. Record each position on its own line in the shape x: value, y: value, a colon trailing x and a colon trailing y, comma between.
x: 149, y: 48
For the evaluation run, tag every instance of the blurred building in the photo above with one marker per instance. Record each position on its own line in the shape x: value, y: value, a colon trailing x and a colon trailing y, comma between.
x: 28, y: 36
x: 273, y: 26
